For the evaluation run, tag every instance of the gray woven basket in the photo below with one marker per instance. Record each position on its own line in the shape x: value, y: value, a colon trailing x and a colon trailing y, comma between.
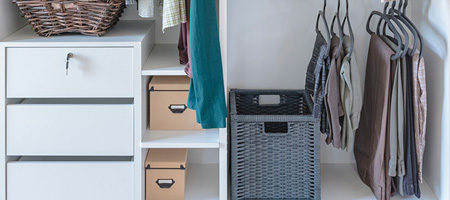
x: 275, y: 149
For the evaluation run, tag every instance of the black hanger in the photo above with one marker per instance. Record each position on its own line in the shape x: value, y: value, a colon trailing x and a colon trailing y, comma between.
x: 402, y: 19
x: 321, y: 15
x: 412, y: 24
x: 350, y: 31
x: 399, y: 25
x: 340, y: 29
x: 407, y: 24
x: 391, y: 16
x: 404, y: 7
x: 381, y: 20
x: 402, y: 28
x: 391, y: 26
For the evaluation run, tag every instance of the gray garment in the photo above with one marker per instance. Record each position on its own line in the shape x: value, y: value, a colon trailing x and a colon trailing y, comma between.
x: 319, y: 92
x: 316, y: 67
x: 393, y: 125
x: 321, y: 83
x: 401, y: 121
x: 400, y: 176
x: 351, y: 96
x: 318, y: 54
x: 396, y: 130
x: 316, y: 77
x: 411, y: 178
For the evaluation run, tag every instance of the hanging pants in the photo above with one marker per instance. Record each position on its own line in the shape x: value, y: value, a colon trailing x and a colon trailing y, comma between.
x: 371, y: 140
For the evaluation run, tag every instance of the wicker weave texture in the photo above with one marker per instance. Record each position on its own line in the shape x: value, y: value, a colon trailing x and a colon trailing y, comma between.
x: 291, y: 103
x: 88, y: 17
x: 274, y: 156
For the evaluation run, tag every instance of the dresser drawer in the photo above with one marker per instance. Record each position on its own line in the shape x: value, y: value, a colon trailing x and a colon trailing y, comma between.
x: 70, y: 180
x: 69, y: 129
x: 92, y: 72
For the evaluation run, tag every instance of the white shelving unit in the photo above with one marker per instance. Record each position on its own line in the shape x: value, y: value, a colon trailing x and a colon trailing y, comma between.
x: 181, y: 139
x: 163, y: 61
x: 132, y: 42
x: 204, y: 181
x: 207, y: 174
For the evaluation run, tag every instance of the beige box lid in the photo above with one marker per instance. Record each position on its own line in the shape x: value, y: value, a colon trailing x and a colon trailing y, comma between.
x: 169, y: 83
x: 166, y: 158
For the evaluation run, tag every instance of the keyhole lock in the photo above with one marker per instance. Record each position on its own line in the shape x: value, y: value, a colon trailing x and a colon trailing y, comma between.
x: 69, y: 56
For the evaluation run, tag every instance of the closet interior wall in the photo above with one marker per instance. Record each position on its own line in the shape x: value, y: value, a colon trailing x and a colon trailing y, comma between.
x: 169, y: 37
x: 270, y: 48
x: 10, y: 19
x: 171, y: 34
x: 433, y: 21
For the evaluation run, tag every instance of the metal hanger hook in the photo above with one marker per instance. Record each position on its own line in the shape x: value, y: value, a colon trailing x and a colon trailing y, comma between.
x: 339, y: 6
x: 346, y: 6
x: 346, y: 12
x: 386, y: 5
x: 400, y: 5
x: 404, y: 6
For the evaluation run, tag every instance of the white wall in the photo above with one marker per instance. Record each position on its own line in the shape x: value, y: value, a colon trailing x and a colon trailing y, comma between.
x: 10, y: 18
x: 433, y: 20
x: 270, y: 44
x: 169, y: 37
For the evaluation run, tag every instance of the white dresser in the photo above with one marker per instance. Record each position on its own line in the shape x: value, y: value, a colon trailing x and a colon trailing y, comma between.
x: 75, y: 114
x: 69, y: 113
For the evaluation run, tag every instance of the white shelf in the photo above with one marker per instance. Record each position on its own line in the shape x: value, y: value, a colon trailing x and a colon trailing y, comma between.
x: 163, y: 61
x: 342, y: 182
x: 126, y: 32
x: 181, y: 139
x: 202, y: 182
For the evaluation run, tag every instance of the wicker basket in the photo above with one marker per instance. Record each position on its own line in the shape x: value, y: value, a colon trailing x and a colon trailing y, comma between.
x: 275, y: 148
x: 88, y: 17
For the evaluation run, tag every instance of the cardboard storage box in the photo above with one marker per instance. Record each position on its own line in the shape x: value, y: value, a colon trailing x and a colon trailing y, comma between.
x: 168, y: 104
x: 165, y: 174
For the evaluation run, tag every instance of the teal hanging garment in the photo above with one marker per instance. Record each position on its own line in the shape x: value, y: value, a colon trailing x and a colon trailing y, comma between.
x: 207, y: 93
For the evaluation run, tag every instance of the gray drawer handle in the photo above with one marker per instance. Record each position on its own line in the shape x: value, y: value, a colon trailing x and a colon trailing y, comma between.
x: 69, y: 56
